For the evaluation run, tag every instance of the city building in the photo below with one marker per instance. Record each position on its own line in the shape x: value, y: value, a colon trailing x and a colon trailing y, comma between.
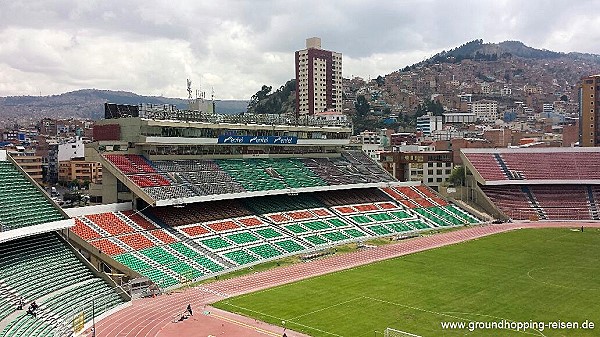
x: 28, y: 161
x: 403, y: 138
x: 485, y: 110
x: 430, y: 167
x: 80, y: 170
x: 331, y: 116
x: 589, y: 113
x: 459, y: 118
x: 73, y: 148
x: 318, y: 79
x: 373, y: 143
x: 429, y: 123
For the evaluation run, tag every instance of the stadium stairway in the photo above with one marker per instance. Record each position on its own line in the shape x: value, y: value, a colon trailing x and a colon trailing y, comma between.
x: 536, y: 206
x: 198, y: 247
x: 181, y: 237
x: 593, y: 205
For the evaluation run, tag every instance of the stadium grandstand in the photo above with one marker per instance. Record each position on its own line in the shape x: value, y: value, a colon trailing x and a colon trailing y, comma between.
x: 536, y: 183
x: 188, y: 195
x: 47, y: 287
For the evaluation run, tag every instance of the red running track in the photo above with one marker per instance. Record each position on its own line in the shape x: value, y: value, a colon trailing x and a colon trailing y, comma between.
x: 154, y: 316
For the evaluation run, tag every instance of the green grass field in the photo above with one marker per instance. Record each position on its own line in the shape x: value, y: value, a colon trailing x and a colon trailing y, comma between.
x: 542, y: 275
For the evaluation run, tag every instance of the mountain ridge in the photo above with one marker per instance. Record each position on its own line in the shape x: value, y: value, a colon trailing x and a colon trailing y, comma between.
x: 89, y: 104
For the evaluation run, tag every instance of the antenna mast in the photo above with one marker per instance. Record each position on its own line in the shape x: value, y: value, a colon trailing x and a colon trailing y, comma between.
x: 189, y: 88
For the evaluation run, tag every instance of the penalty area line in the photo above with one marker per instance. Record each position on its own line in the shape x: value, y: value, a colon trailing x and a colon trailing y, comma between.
x: 283, y: 320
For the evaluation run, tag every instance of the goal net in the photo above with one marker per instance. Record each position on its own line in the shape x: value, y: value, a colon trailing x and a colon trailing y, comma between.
x: 389, y: 332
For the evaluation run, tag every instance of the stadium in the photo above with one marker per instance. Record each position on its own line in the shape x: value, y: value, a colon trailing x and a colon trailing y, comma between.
x: 320, y: 240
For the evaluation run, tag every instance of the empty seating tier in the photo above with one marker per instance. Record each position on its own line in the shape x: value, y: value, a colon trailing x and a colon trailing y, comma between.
x: 107, y: 246
x: 44, y: 269
x: 282, y: 203
x: 554, y: 202
x: 240, y: 257
x: 162, y: 236
x: 290, y: 246
x: 242, y: 238
x: 198, y: 212
x: 84, y: 231
x: 358, y: 196
x: 215, y: 243
x: 163, y: 179
x: 136, y: 241
x: 536, y: 164
x: 172, y: 244
x: 110, y: 223
x: 22, y: 204
x: 265, y: 251
x: 268, y: 233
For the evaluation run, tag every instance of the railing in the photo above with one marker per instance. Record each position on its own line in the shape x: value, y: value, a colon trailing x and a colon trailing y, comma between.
x: 269, y: 119
x: 552, y: 213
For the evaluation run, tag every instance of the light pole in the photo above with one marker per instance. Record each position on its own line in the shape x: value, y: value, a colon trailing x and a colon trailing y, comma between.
x: 93, y: 318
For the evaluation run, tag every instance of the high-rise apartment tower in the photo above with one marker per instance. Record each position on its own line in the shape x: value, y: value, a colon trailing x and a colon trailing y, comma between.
x: 589, y: 111
x: 318, y: 79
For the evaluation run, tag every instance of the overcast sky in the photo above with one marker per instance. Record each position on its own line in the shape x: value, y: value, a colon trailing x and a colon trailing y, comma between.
x: 150, y: 47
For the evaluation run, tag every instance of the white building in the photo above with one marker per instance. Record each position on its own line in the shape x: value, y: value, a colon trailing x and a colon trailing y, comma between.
x: 373, y: 143
x: 71, y: 149
x: 505, y: 91
x: 429, y: 123
x: 331, y: 116
x: 485, y: 110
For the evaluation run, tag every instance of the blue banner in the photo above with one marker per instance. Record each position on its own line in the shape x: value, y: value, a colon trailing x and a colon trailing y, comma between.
x: 258, y: 140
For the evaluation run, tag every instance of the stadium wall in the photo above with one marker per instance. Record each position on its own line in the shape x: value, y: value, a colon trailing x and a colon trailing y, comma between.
x: 95, y: 271
x: 96, y: 257
x: 105, y: 208
x: 478, y: 196
x: 17, y: 233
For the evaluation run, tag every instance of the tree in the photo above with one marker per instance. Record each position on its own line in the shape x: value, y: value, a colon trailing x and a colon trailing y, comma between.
x: 429, y: 106
x: 362, y: 107
x: 259, y: 96
x: 457, y: 177
x: 280, y: 101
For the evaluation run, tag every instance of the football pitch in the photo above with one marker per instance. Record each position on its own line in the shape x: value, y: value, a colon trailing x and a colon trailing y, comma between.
x: 548, y: 279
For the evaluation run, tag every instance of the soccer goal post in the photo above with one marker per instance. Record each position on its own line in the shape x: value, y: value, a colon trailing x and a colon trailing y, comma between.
x: 389, y: 332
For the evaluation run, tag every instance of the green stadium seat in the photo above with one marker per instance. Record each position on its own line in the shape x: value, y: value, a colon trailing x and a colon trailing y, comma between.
x: 290, y: 246
x: 268, y: 233
x: 215, y: 243
x: 240, y: 257
x: 315, y: 239
x: 265, y: 251
x: 242, y: 238
x: 379, y: 230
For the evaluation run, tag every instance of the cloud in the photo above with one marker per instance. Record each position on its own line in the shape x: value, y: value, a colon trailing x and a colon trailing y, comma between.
x: 235, y: 46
